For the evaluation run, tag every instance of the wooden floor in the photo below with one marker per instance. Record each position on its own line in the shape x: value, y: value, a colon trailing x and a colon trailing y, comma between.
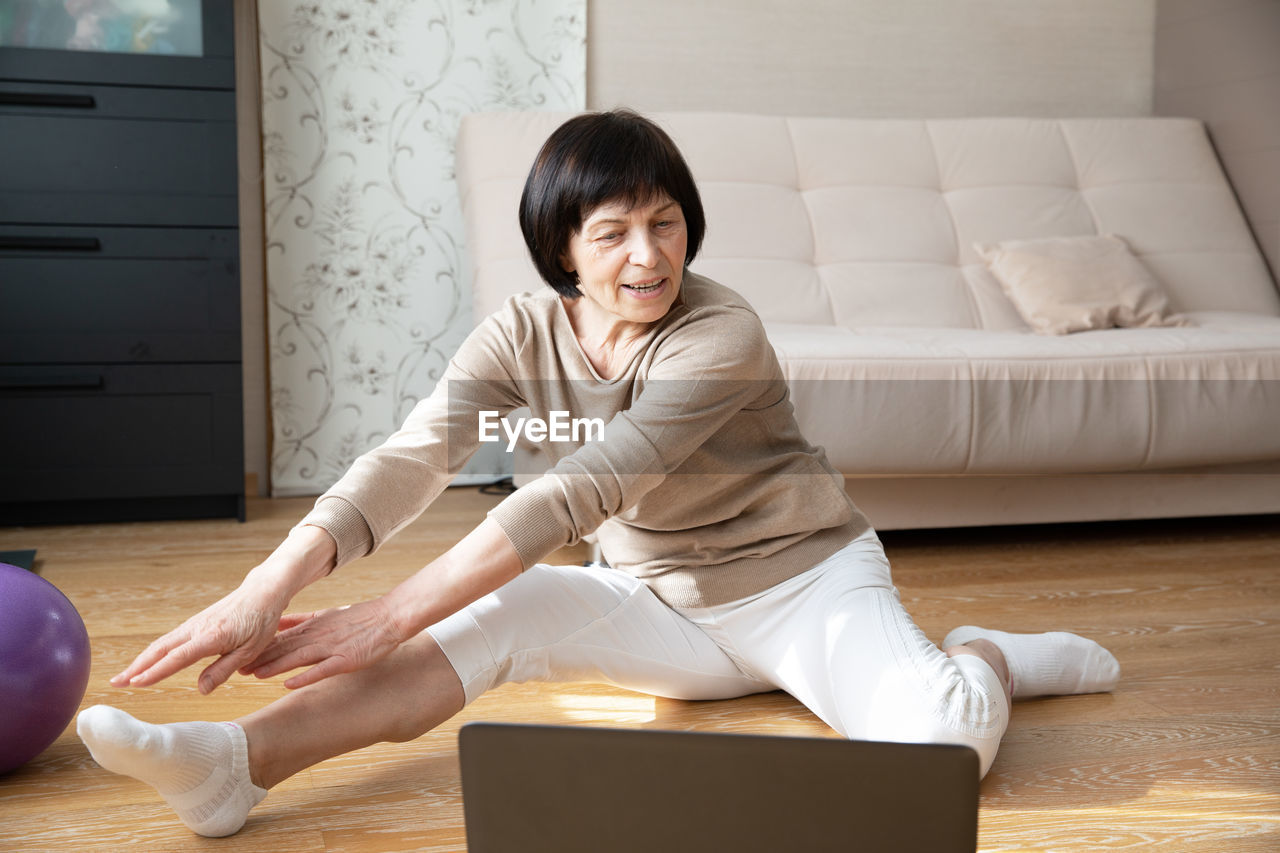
x: 1185, y: 756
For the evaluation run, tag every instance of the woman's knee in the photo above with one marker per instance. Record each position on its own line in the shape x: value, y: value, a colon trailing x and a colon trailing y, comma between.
x: 985, y: 743
x: 965, y: 705
x: 419, y: 680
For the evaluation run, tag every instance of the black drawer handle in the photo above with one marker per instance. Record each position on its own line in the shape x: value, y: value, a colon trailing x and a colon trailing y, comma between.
x: 46, y: 99
x: 49, y: 244
x: 67, y: 382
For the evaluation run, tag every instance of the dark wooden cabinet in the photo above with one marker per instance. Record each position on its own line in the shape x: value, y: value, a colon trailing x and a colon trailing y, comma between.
x: 120, y: 365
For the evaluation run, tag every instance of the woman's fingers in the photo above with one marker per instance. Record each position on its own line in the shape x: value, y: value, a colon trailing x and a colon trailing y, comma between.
x: 234, y: 631
x: 276, y: 645
x: 224, y: 667
x: 150, y: 657
x: 279, y: 657
x: 291, y: 650
x: 170, y: 654
x: 287, y: 660
x: 152, y: 653
x: 291, y: 637
x: 325, y: 669
x: 331, y: 641
x: 255, y: 641
x: 175, y: 660
x: 292, y: 620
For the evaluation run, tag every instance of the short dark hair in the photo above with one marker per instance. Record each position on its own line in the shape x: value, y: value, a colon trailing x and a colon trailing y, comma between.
x: 616, y: 156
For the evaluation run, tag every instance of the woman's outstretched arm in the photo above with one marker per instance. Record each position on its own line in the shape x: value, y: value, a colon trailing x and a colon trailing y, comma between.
x: 238, y: 627
x: 350, y: 638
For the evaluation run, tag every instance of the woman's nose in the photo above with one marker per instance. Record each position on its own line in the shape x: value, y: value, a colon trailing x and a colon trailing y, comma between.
x: 644, y: 251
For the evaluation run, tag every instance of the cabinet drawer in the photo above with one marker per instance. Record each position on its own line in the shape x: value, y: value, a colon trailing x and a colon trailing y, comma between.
x: 86, y: 432
x: 105, y: 155
x: 118, y: 295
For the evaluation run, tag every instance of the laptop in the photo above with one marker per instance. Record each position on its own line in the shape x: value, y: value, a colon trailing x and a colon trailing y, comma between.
x: 534, y: 788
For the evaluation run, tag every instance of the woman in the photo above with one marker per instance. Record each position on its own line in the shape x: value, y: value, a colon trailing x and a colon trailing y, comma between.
x: 740, y: 564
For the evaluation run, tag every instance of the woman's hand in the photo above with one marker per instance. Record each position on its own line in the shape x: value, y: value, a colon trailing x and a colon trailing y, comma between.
x: 344, y: 639
x: 239, y: 627
x: 354, y: 637
x: 236, y: 629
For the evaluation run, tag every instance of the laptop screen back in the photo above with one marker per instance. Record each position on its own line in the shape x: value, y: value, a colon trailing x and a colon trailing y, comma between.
x: 568, y: 788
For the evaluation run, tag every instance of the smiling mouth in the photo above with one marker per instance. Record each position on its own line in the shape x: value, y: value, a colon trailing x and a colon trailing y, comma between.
x: 645, y: 288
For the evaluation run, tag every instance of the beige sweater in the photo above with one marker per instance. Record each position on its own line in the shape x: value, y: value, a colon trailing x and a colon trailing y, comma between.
x: 702, y: 487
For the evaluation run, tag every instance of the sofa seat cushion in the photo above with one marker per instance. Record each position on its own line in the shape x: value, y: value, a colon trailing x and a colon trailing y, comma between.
x: 937, y: 401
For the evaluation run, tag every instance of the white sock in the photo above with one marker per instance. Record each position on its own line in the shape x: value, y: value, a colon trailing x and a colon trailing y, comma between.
x: 1052, y: 664
x: 201, y: 769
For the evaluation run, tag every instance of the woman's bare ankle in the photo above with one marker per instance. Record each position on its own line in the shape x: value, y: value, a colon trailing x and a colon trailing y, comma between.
x: 989, y: 652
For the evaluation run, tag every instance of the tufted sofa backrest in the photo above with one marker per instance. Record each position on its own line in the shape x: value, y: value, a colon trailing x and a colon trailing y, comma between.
x: 871, y: 223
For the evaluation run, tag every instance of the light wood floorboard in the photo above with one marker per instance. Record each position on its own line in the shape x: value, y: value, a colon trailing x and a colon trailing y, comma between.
x: 1184, y: 756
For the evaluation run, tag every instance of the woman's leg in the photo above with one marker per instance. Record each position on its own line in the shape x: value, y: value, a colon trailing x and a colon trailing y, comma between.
x: 550, y: 624
x: 403, y: 696
x: 213, y: 774
x: 839, y: 640
x: 570, y: 623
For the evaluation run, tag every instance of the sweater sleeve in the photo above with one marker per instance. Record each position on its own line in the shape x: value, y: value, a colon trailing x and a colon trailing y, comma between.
x: 703, y: 374
x: 390, y: 486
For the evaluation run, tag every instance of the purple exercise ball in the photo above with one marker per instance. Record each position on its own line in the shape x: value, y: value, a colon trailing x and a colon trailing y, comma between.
x: 44, y: 665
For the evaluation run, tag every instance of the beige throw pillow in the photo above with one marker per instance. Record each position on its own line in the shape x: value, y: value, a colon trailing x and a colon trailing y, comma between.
x: 1073, y: 284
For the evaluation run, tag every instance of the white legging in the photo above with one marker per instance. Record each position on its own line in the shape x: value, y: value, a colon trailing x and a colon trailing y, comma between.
x: 836, y: 637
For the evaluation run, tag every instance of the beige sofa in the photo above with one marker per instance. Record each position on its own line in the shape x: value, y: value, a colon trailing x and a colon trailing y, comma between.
x: 855, y: 241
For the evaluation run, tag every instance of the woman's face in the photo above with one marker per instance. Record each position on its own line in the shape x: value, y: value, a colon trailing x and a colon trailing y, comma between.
x: 630, y: 260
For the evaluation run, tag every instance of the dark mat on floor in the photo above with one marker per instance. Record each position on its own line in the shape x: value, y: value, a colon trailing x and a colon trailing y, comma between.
x: 21, y: 559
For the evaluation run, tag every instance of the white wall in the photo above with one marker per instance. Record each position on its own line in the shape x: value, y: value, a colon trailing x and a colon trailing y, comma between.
x: 876, y: 58
x: 1219, y: 61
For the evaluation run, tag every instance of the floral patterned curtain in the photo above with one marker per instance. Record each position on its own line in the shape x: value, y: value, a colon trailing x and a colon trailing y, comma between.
x: 361, y: 102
